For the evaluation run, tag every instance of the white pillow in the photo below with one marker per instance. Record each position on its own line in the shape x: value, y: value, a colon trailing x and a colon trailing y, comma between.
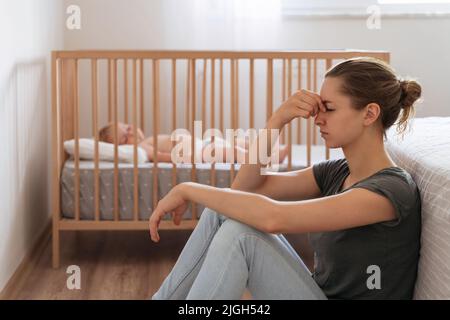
x: 105, y: 151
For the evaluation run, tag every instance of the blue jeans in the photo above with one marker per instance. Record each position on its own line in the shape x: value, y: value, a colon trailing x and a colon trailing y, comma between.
x: 222, y: 257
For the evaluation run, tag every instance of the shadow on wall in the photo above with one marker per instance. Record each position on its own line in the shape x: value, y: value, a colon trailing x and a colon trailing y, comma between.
x: 24, y: 104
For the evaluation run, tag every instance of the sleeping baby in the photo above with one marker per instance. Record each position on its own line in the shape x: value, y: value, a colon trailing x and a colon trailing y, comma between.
x: 125, y: 135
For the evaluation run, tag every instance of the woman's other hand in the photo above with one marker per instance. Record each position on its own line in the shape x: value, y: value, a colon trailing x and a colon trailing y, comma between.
x: 302, y: 103
x: 175, y: 203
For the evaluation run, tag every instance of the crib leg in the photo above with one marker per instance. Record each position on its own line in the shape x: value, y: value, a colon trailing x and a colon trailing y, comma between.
x: 55, y: 251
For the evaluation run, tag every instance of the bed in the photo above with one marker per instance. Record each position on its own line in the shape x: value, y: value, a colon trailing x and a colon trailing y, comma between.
x: 425, y: 154
x: 161, y: 91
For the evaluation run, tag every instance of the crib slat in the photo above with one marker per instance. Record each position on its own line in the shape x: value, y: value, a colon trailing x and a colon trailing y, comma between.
x: 221, y: 96
x: 269, y: 88
x: 232, y: 115
x: 155, y: 130
x: 327, y: 150
x: 61, y: 93
x: 252, y: 92
x: 109, y: 92
x: 174, y: 115
x: 283, y: 95
x: 125, y: 89
x: 308, y: 129
x: 96, y: 137
x: 193, y: 172
x: 76, y: 137
x: 287, y: 93
x: 188, y: 97
x: 56, y: 161
x: 212, y: 122
x: 236, y: 103
x: 141, y: 94
x: 116, y: 139
x: 289, y: 131
x: 205, y: 70
x: 299, y: 87
x: 315, y: 90
x: 62, y: 123
x: 252, y: 106
x: 135, y: 153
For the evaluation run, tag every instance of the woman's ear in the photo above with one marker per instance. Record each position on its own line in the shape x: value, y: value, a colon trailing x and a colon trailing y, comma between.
x: 372, y: 113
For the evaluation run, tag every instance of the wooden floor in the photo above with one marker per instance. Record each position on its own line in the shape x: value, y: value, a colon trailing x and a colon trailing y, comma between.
x: 114, y: 265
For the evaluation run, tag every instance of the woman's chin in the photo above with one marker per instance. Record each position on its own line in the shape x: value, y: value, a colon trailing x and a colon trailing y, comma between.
x: 331, y: 145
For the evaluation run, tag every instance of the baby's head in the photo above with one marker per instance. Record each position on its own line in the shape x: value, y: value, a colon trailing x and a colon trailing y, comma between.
x: 124, y: 133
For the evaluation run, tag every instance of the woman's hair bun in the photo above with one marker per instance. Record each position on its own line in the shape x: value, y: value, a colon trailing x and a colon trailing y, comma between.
x: 411, y: 92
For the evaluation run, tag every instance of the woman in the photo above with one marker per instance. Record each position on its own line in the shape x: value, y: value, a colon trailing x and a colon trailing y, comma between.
x: 363, y: 211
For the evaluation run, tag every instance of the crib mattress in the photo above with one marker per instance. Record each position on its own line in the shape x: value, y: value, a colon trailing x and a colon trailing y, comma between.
x: 145, y: 180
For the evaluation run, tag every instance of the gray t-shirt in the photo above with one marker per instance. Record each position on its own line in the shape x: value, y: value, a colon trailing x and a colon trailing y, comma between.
x: 377, y: 261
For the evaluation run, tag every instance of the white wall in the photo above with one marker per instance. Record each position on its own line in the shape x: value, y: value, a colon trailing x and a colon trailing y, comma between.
x: 419, y: 46
x: 29, y: 30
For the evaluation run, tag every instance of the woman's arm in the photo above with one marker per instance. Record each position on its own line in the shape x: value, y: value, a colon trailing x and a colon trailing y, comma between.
x: 353, y: 208
x: 302, y: 103
x: 249, y: 176
x: 250, y: 208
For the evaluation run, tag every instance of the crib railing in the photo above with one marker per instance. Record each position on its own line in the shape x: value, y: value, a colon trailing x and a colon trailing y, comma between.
x: 133, y: 87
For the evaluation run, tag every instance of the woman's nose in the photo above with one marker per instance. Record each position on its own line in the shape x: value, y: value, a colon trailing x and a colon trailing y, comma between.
x: 319, y: 119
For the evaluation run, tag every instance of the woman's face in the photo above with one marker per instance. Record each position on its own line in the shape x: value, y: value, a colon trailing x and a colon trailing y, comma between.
x: 341, y: 123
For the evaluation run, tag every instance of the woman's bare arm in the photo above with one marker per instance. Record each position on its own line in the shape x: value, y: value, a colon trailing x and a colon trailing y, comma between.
x: 302, y: 103
x: 249, y: 177
x: 353, y: 208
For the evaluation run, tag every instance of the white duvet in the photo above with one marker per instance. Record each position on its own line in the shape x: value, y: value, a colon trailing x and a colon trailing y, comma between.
x: 425, y: 154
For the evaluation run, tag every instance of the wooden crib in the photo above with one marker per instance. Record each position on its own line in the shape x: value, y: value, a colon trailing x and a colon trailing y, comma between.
x: 222, y: 89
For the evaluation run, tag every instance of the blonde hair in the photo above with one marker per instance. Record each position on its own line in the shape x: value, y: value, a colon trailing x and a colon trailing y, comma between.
x: 370, y: 80
x: 106, y: 133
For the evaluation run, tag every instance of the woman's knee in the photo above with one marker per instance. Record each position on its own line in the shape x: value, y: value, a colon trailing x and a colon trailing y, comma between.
x: 208, y: 213
x: 232, y: 230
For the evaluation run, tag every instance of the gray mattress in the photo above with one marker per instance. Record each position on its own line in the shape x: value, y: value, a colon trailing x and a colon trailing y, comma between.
x: 145, y: 177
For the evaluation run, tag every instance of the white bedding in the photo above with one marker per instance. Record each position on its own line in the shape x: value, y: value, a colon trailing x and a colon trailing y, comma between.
x: 425, y: 154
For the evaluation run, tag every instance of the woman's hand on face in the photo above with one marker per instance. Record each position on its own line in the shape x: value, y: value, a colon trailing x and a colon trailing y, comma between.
x: 174, y: 202
x: 302, y: 103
